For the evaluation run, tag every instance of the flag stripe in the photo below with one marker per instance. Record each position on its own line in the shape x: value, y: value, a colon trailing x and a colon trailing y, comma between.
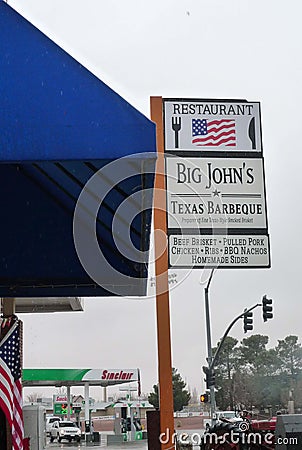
x: 214, y: 137
x: 10, y: 384
x: 6, y: 394
x: 7, y: 412
x: 220, y: 122
x: 6, y: 383
x: 215, y: 130
x: 211, y: 142
x: 18, y: 404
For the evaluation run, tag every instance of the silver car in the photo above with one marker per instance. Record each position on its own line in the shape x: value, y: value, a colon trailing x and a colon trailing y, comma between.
x: 50, y: 420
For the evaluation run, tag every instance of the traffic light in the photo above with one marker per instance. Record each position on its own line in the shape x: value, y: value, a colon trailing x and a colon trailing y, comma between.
x: 248, y: 321
x: 210, y: 377
x: 267, y: 308
x: 204, y: 398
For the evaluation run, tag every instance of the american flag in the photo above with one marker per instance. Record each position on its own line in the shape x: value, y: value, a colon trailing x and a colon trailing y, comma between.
x: 213, y: 133
x: 10, y: 384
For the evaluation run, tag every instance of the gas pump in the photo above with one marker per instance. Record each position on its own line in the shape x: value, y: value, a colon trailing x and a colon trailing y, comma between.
x: 136, y: 432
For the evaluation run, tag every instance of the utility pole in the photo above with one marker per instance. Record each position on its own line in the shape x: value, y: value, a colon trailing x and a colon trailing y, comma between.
x: 291, y: 403
x: 209, y: 370
x: 209, y: 345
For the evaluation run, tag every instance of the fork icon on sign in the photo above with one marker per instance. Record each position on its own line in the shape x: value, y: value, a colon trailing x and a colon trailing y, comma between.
x: 176, y: 126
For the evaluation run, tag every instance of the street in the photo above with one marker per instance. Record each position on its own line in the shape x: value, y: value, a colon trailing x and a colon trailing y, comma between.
x: 138, y: 445
x: 134, y: 445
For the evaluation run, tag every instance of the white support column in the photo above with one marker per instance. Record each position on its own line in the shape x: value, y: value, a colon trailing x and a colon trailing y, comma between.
x: 105, y: 393
x: 68, y: 402
x: 86, y: 394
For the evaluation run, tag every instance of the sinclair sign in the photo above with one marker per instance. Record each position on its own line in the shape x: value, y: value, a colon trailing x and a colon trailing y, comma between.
x: 112, y: 375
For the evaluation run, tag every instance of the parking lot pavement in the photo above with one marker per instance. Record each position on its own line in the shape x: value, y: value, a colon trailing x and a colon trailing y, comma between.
x: 136, y: 445
x: 124, y: 446
x: 192, y: 436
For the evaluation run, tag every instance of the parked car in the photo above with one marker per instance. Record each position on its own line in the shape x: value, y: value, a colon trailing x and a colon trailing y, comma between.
x: 50, y: 420
x: 231, y: 416
x: 65, y: 430
x: 224, y: 416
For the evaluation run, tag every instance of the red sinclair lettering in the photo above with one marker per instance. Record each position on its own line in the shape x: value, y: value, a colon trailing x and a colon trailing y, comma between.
x: 116, y: 375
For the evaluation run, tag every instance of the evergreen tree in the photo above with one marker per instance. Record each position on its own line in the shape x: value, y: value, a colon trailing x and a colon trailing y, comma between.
x: 249, y: 374
x: 225, y: 368
x: 253, y: 353
x: 181, y: 396
x: 153, y: 397
x: 289, y: 352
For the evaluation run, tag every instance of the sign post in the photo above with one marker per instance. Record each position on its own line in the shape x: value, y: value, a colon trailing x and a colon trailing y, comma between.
x: 162, y: 287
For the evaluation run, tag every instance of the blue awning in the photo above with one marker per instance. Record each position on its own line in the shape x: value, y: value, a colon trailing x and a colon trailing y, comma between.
x: 60, y: 126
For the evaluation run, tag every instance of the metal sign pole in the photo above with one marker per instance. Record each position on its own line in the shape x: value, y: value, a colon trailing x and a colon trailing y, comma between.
x: 209, y: 344
x: 87, y: 415
x: 162, y: 286
x: 68, y: 402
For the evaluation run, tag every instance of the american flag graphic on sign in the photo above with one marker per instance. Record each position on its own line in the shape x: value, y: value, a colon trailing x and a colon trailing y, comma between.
x: 213, y: 133
x: 10, y: 384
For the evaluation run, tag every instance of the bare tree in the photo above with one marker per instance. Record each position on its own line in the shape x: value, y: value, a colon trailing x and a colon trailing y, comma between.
x: 32, y: 397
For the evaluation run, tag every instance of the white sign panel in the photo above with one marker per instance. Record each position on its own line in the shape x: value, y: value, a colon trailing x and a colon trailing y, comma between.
x: 215, y: 193
x: 219, y: 251
x: 212, y: 125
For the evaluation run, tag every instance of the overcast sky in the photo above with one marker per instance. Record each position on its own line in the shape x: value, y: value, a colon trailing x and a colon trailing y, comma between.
x: 197, y: 49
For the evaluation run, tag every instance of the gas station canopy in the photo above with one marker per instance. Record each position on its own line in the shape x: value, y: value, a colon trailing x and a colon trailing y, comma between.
x: 78, y: 377
x: 47, y: 304
x: 59, y: 127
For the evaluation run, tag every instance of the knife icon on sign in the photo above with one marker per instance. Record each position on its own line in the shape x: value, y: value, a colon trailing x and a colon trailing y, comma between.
x: 252, y: 134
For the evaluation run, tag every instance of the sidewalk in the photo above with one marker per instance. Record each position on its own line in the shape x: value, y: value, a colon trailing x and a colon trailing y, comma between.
x: 139, y: 445
x: 134, y: 445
